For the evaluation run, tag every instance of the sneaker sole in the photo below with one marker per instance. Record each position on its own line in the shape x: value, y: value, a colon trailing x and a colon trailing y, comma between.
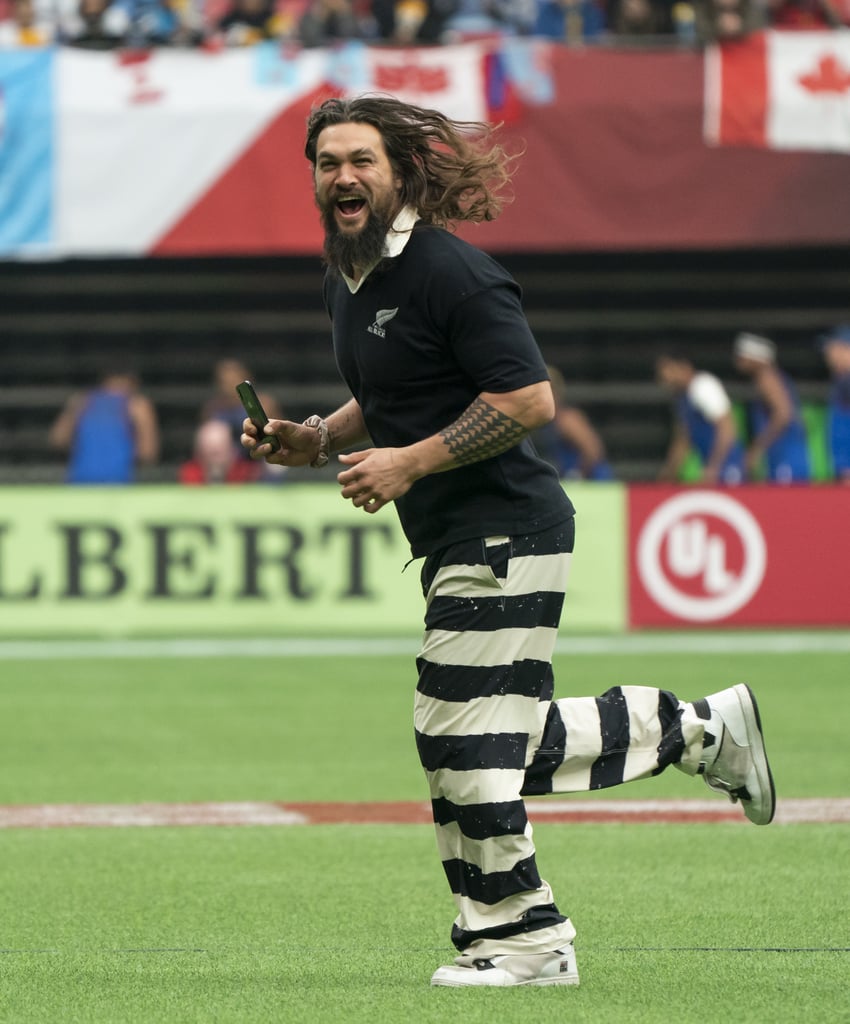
x: 569, y: 980
x: 452, y: 976
x: 763, y: 814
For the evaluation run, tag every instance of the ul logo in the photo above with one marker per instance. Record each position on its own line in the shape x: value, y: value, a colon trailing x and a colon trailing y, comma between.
x: 693, y: 551
x: 701, y: 556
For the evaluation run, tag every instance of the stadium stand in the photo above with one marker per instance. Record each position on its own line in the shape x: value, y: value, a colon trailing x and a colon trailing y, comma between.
x: 108, y: 24
x: 598, y: 318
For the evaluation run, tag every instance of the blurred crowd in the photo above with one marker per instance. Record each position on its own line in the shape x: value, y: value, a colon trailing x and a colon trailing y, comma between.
x: 107, y: 24
x: 112, y: 429
x: 769, y: 437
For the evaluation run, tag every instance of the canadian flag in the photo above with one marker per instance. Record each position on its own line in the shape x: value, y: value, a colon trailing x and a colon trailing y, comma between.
x: 781, y: 90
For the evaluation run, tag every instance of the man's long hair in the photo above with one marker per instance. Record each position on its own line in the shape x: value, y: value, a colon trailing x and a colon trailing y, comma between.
x: 450, y: 170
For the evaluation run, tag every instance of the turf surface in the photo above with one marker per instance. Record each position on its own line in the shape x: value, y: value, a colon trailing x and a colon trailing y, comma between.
x: 345, y: 923
x: 325, y: 924
x: 341, y: 728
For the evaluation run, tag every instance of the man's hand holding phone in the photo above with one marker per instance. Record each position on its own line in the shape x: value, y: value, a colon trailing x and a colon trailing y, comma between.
x: 288, y: 443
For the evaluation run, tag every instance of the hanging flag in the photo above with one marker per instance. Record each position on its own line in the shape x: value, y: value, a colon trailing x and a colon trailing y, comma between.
x: 142, y: 136
x: 26, y: 151
x: 780, y: 90
x: 445, y: 78
x: 171, y: 151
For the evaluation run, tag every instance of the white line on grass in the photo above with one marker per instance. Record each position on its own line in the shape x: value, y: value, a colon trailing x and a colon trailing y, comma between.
x: 148, y: 815
x: 312, y: 647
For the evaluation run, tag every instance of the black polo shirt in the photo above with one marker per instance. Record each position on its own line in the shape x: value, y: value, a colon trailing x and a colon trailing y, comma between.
x: 421, y: 338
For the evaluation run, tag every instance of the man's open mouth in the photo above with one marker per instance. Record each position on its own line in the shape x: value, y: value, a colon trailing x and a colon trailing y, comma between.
x: 350, y: 207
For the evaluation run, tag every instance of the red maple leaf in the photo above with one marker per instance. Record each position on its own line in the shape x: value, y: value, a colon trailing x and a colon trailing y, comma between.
x: 831, y: 76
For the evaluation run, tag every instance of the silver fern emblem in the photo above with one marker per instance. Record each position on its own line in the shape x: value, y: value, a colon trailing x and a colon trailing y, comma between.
x: 383, y: 316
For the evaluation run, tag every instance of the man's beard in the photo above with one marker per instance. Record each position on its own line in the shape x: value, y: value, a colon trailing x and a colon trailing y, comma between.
x: 361, y: 250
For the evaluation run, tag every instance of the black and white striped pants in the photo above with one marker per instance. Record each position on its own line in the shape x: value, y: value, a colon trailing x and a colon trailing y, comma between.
x: 489, y: 732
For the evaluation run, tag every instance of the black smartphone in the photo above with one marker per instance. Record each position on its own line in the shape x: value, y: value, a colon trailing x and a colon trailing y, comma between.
x: 256, y: 412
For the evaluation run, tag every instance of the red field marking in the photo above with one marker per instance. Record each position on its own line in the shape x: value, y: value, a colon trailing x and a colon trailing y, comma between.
x: 674, y: 812
x: 378, y: 813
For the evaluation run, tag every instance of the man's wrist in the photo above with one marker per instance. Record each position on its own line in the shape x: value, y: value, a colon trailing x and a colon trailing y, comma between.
x: 324, y: 452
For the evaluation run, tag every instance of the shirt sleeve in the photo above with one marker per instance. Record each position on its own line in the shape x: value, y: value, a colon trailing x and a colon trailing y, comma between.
x: 476, y: 306
x: 709, y: 396
x: 493, y: 343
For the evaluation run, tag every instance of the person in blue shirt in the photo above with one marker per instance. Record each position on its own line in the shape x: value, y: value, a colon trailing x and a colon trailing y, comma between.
x: 108, y: 431
x: 704, y: 423
x: 570, y: 442
x: 835, y: 345
x: 778, y: 434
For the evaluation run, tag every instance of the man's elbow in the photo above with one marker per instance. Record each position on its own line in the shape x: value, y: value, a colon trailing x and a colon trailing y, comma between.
x: 532, y: 407
x: 543, y: 408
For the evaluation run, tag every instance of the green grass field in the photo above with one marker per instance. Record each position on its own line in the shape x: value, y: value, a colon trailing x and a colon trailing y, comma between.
x: 693, y: 923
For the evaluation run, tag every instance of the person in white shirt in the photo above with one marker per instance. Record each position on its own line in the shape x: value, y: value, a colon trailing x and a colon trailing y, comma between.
x: 703, y: 423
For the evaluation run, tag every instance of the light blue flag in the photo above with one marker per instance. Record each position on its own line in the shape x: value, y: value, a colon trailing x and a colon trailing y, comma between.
x: 26, y: 150
x: 528, y: 71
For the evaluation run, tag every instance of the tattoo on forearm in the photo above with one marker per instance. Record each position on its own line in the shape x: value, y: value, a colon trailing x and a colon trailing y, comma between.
x: 480, y: 433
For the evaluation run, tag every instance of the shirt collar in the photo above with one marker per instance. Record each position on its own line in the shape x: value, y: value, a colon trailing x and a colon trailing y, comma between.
x: 397, y: 238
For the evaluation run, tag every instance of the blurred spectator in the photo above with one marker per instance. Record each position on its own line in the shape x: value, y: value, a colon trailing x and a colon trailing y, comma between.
x: 248, y: 22
x: 108, y: 431
x: 684, y: 17
x: 326, y: 21
x: 569, y: 20
x: 287, y: 18
x: 99, y: 25
x: 778, y: 435
x: 162, y: 22
x: 25, y: 27
x: 412, y: 21
x: 703, y: 422
x: 801, y: 15
x: 472, y: 19
x: 570, y: 441
x: 514, y: 16
x: 224, y: 405
x: 640, y: 18
x: 217, y: 459
x: 718, y: 20
x: 835, y: 345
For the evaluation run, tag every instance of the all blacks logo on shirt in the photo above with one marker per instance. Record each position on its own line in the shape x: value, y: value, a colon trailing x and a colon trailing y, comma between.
x: 382, y: 317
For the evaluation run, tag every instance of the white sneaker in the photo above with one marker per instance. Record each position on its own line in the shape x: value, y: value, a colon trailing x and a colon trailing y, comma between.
x: 557, y: 968
x: 735, y: 759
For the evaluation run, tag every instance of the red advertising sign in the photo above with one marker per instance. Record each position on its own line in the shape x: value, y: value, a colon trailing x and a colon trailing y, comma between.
x: 745, y: 556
